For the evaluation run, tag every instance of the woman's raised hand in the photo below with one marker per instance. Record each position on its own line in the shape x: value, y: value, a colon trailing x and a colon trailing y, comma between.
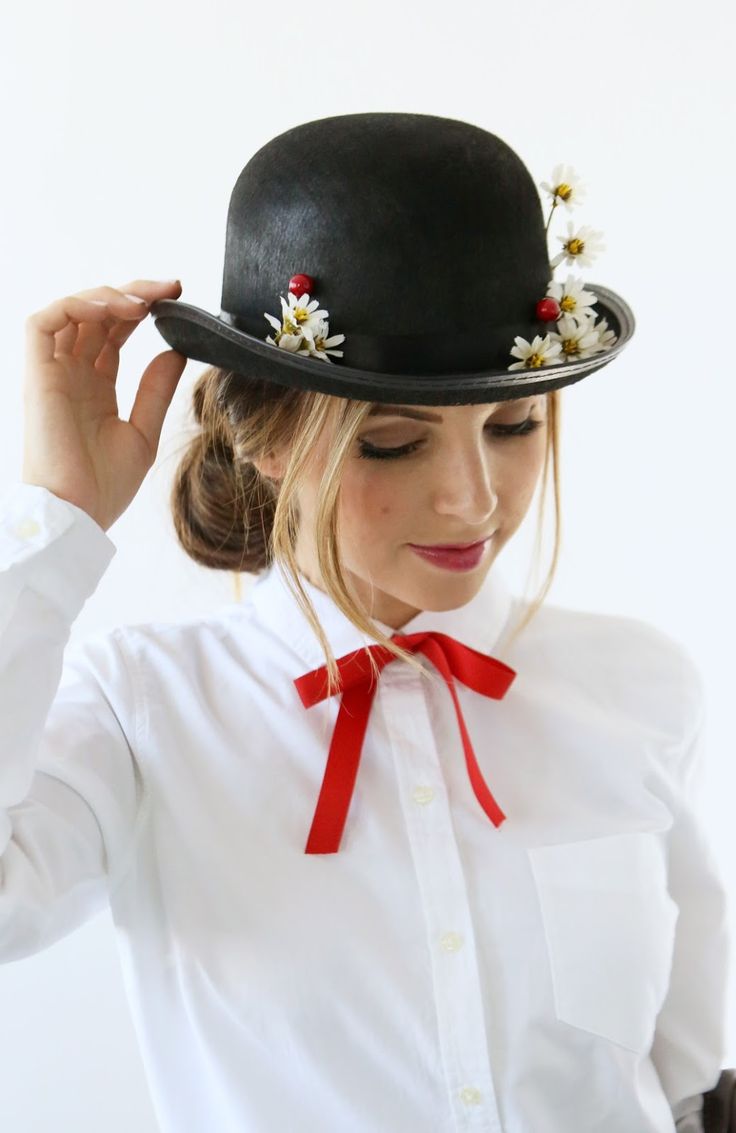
x: 75, y: 444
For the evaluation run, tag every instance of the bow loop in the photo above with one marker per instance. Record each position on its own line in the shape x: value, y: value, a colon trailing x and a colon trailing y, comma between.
x: 354, y: 669
x: 478, y: 671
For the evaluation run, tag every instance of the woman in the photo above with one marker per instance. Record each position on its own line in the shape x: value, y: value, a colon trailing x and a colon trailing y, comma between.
x: 387, y: 847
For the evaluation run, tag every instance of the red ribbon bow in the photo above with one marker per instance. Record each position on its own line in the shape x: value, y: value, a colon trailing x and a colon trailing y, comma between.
x: 478, y: 671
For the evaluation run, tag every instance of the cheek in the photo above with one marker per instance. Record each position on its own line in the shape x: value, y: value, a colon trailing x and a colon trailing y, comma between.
x: 373, y: 502
x: 520, y: 480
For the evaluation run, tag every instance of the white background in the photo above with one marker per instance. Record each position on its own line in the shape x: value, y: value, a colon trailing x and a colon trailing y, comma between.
x: 124, y: 128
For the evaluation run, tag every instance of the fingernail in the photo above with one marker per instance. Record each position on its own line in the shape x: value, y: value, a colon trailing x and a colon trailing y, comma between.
x: 170, y: 281
x: 135, y: 298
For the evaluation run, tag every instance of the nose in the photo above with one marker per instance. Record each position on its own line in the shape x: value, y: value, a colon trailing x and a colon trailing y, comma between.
x: 465, y: 488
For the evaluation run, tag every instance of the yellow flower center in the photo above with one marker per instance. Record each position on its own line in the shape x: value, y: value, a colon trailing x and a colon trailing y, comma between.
x: 534, y: 361
x: 289, y: 327
x: 568, y: 303
x: 564, y: 191
x: 575, y: 246
x: 570, y: 345
x: 301, y: 314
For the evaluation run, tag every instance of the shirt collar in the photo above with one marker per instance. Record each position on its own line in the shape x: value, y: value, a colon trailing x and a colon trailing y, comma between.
x: 479, y: 623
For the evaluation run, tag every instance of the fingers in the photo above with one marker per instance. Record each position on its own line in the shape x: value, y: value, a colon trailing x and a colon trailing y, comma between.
x: 92, y: 337
x: 55, y: 328
x: 118, y: 332
x: 43, y: 325
x: 107, y: 361
x: 156, y: 389
x: 148, y: 289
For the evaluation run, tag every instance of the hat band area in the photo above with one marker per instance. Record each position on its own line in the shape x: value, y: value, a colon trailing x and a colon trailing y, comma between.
x: 424, y: 353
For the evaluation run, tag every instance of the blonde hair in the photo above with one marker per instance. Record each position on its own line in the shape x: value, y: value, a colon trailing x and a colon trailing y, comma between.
x: 228, y: 516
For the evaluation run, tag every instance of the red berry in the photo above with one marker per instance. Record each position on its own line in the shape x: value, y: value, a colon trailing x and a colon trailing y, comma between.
x: 301, y: 284
x: 548, y: 309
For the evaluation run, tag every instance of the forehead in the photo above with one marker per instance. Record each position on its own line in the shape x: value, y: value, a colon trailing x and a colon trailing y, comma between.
x: 420, y: 413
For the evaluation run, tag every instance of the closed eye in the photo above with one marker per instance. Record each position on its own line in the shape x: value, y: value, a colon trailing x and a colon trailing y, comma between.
x: 501, y: 432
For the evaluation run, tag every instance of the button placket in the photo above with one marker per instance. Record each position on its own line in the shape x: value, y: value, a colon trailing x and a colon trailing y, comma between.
x: 456, y: 982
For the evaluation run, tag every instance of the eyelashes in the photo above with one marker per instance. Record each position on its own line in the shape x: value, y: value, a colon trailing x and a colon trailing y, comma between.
x: 501, y: 432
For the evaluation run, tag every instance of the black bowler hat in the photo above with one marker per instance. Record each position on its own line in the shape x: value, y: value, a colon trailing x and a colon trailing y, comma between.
x: 422, y: 240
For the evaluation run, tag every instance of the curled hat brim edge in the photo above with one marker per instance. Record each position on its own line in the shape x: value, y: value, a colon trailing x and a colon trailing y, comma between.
x: 204, y: 337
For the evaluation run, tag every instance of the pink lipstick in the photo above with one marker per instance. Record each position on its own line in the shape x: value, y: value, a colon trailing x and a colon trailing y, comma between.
x: 453, y: 558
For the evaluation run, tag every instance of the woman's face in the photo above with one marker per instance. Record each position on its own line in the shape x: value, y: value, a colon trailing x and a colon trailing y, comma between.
x: 462, y: 477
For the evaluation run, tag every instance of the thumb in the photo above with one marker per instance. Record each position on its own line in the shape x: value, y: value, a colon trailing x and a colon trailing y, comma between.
x: 155, y: 391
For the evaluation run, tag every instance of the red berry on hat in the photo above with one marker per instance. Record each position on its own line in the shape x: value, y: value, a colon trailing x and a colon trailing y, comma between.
x: 548, y: 309
x: 299, y: 284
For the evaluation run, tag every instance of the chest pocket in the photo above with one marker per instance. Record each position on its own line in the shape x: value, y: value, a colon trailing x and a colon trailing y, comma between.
x: 609, y: 924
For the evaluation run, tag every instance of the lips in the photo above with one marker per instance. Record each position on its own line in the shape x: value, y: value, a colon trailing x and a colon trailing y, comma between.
x: 450, y: 546
x: 467, y: 557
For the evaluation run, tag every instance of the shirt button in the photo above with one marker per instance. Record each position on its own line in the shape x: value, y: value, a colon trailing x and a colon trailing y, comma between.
x: 470, y: 1095
x: 27, y: 528
x: 451, y: 941
x: 423, y: 794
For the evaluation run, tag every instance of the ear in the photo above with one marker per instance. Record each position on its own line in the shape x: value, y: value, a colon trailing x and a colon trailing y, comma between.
x: 270, y: 466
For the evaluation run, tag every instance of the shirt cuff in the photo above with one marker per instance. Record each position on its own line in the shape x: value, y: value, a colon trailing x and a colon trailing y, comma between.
x: 52, y: 546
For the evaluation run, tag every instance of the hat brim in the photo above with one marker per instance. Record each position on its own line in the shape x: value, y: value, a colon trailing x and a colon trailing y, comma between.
x: 205, y: 337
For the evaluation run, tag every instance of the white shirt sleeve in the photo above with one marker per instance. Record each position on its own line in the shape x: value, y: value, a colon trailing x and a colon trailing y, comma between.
x: 689, y: 1048
x: 70, y: 788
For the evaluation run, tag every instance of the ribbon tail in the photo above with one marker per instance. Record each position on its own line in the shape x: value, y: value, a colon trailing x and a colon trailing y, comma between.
x: 341, y: 771
x: 480, y: 787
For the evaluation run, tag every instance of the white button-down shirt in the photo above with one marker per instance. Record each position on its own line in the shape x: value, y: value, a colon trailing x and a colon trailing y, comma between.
x: 564, y: 972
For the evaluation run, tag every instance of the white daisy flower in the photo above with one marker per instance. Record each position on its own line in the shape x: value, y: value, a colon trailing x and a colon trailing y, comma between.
x: 293, y: 342
x: 305, y: 315
x: 539, y: 352
x: 572, y: 298
x: 275, y: 323
x: 565, y: 187
x: 288, y: 335
x: 583, y: 246
x: 303, y: 328
x: 606, y: 337
x: 577, y: 338
x: 320, y: 345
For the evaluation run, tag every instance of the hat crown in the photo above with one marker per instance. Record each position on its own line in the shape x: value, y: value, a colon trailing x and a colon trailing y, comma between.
x: 410, y: 224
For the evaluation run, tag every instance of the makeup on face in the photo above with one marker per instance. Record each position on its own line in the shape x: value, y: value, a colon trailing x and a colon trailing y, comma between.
x: 518, y: 428
x: 455, y: 559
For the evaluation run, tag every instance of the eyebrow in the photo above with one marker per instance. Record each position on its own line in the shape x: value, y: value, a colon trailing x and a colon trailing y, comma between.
x: 404, y: 411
